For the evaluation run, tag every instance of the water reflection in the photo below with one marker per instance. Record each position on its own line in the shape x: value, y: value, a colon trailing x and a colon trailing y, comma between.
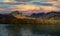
x: 8, y: 30
x: 3, y: 30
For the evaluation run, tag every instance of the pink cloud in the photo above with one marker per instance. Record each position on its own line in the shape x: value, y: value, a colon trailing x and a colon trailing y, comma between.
x: 22, y: 0
x: 34, y: 8
x: 2, y: 9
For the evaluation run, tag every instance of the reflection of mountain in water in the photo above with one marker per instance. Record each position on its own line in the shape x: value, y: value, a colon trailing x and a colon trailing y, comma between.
x: 22, y: 32
x: 8, y: 30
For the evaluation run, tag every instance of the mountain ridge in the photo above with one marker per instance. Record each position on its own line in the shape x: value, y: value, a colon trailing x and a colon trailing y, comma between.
x: 20, y: 18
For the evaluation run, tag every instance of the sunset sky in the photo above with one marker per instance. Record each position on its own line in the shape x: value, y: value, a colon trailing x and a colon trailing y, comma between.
x: 29, y: 6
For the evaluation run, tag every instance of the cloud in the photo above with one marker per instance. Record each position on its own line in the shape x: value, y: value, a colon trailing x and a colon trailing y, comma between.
x: 34, y: 8
x: 42, y: 3
x: 53, y: 3
x: 2, y: 9
x: 34, y: 2
x: 49, y: 8
x: 23, y: 0
x: 31, y: 6
x: 29, y: 9
x: 56, y: 3
x: 5, y: 10
x: 52, y: 0
x: 26, y: 7
x: 8, y: 0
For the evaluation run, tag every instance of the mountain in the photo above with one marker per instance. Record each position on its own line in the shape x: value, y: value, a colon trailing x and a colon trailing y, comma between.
x: 54, y: 15
x: 16, y: 12
x: 36, y: 15
x: 48, y: 15
x: 51, y: 14
x: 1, y: 16
x: 16, y: 16
x: 6, y: 18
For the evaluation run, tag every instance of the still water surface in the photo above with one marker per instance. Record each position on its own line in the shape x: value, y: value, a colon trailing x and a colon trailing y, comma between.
x: 7, y: 30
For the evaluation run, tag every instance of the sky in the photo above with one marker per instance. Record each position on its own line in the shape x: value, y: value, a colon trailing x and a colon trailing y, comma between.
x: 29, y: 6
